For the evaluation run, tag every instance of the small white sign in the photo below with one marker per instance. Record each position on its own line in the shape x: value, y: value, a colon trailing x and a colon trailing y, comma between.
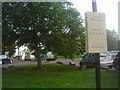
x: 96, y: 38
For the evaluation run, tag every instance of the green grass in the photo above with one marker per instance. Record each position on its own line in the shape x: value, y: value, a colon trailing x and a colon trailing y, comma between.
x: 55, y: 76
x: 75, y: 57
x: 60, y: 57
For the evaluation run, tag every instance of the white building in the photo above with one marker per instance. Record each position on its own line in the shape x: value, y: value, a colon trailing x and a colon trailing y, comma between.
x: 21, y: 52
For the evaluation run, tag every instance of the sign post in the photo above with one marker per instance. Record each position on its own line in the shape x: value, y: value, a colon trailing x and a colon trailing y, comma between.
x: 96, y: 38
x: 97, y: 55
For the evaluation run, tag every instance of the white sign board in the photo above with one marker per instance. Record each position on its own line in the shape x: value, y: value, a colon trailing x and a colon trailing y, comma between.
x: 119, y: 19
x: 96, y: 38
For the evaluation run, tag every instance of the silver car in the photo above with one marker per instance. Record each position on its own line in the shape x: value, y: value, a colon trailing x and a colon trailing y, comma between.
x: 88, y: 60
x: 5, y: 59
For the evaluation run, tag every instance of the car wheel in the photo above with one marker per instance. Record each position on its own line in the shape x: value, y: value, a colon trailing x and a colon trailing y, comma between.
x: 116, y: 68
x: 82, y: 67
x: 11, y: 61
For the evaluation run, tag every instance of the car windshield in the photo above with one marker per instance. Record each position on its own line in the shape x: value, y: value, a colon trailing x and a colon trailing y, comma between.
x: 86, y: 55
x: 104, y: 54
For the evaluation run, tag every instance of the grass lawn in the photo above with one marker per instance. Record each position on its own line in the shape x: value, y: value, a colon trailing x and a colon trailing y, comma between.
x: 55, y: 76
x: 75, y: 57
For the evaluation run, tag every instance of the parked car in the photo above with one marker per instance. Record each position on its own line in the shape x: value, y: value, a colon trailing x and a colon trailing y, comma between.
x: 0, y: 61
x: 88, y: 60
x: 5, y: 59
x: 27, y: 57
x: 105, y: 56
x: 43, y: 56
x: 50, y: 56
x: 106, y: 63
x: 113, y: 54
x: 116, y: 62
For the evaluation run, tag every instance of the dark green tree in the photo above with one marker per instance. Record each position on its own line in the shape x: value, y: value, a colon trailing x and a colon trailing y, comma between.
x: 43, y: 26
x: 8, y: 34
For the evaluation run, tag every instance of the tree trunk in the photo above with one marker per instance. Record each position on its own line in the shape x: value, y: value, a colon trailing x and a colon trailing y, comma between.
x: 39, y: 62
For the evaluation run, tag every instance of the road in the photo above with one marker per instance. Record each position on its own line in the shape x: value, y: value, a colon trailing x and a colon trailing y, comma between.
x: 18, y: 63
x: 21, y: 62
x: 75, y: 62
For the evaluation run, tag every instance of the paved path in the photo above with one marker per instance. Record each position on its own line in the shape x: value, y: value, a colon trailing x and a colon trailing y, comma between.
x: 22, y: 62
x: 18, y: 63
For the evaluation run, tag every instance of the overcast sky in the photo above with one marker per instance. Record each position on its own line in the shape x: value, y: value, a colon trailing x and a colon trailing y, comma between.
x: 109, y: 7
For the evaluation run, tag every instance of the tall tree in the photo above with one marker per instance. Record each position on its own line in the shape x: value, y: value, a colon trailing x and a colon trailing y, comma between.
x: 8, y: 34
x: 44, y: 25
x: 112, y: 39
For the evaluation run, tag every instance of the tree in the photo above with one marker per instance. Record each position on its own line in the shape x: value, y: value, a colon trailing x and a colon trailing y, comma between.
x: 71, y: 36
x: 112, y: 39
x: 8, y: 35
x: 43, y: 26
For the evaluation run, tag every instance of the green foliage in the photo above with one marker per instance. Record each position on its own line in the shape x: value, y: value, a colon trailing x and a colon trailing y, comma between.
x: 112, y: 39
x: 44, y: 26
x: 68, y: 41
x: 8, y: 35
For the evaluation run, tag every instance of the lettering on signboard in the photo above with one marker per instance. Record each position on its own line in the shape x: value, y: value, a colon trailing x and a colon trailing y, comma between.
x: 96, y: 38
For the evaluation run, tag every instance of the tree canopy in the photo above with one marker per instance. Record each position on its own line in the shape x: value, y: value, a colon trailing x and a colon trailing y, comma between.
x: 42, y: 26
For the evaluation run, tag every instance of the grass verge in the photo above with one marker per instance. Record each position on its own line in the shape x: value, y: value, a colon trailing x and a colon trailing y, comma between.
x: 55, y: 76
